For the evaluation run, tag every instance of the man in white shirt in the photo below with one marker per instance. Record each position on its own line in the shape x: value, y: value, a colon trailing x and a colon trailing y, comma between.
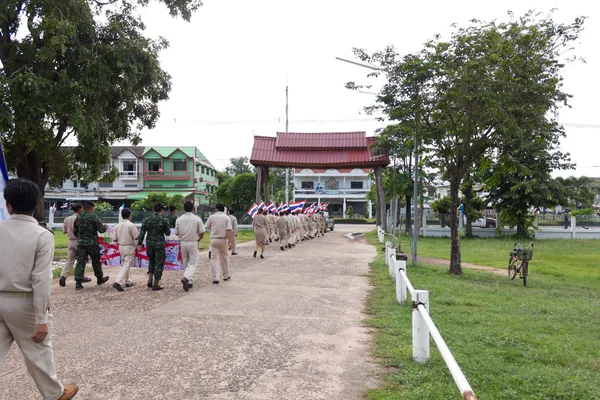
x: 234, y: 232
x: 68, y: 225
x: 219, y: 225
x: 190, y: 230
x: 25, y: 279
x: 126, y: 234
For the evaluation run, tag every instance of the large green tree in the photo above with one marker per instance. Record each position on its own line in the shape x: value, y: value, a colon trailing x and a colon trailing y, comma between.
x: 489, y: 85
x: 78, y: 72
x: 237, y: 192
x: 238, y: 165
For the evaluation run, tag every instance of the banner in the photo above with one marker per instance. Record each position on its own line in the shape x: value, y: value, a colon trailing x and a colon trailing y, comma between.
x: 3, y: 178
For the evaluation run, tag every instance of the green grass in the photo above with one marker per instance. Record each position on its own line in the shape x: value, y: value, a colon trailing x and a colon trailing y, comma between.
x: 539, y: 342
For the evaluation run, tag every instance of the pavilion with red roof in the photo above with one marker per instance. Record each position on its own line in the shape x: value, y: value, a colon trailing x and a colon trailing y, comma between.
x: 337, y: 150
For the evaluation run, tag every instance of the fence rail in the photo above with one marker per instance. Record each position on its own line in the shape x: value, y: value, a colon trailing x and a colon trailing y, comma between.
x: 422, y: 324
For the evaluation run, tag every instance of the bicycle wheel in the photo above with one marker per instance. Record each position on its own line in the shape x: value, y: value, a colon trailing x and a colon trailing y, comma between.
x: 524, y: 272
x: 512, y: 268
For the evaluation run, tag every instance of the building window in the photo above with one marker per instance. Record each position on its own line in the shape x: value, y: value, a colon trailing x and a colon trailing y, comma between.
x: 105, y: 184
x: 154, y: 166
x: 307, y: 185
x: 74, y: 184
x: 356, y: 185
x: 179, y: 165
x: 129, y: 167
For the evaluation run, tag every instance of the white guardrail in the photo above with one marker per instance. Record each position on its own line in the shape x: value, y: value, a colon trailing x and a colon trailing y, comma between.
x: 422, y: 324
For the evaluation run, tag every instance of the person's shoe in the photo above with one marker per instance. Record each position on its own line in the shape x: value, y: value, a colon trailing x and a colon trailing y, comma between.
x: 130, y: 284
x: 254, y: 253
x: 281, y: 247
x: 118, y: 287
x: 261, y: 256
x: 62, y: 281
x: 234, y: 253
x: 209, y: 253
x: 270, y: 240
x: 190, y: 285
x: 86, y: 279
x: 186, y: 284
x: 102, y: 280
x: 216, y: 282
x: 78, y: 285
x: 157, y: 286
x: 150, y: 280
x: 226, y: 279
x: 69, y: 392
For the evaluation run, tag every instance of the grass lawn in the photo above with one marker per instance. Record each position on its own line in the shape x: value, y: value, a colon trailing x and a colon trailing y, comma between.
x: 539, y: 342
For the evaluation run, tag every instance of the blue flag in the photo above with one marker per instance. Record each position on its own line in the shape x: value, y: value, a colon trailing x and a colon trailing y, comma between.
x: 3, y: 178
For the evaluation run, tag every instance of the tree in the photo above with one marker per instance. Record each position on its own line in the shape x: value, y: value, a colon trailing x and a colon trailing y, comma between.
x: 472, y: 96
x: 238, y: 166
x: 103, y: 206
x: 237, y: 192
x: 148, y: 203
x: 79, y: 70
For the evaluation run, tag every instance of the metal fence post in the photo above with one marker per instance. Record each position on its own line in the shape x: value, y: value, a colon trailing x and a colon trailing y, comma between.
x: 400, y: 283
x: 420, y: 331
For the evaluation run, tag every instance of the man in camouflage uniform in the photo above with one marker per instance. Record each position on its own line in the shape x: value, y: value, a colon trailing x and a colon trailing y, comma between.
x: 172, y: 217
x: 156, y: 227
x: 86, y: 228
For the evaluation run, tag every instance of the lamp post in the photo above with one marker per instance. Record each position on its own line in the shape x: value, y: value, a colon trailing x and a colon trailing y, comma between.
x: 416, y: 172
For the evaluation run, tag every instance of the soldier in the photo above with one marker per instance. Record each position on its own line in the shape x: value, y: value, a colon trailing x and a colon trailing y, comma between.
x: 86, y: 228
x: 172, y: 217
x: 234, y: 232
x: 219, y: 225
x: 26, y: 278
x: 282, y: 227
x: 190, y: 230
x: 156, y: 227
x: 68, y: 225
x: 126, y: 234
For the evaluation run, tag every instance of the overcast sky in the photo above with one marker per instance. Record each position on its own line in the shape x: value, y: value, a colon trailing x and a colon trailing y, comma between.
x: 230, y: 66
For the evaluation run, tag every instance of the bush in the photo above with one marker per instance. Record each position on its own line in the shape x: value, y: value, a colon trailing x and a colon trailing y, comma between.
x: 352, y: 221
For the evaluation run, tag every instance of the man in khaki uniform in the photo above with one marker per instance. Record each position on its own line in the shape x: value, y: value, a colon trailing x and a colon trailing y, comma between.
x: 126, y: 234
x: 234, y: 232
x: 190, y: 230
x: 282, y: 228
x: 68, y: 225
x: 219, y: 225
x: 25, y: 280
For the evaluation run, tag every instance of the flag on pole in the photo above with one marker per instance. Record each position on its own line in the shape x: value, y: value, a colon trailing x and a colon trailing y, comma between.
x: 285, y: 207
x: 65, y: 205
x: 323, y: 206
x: 53, y: 208
x: 261, y: 205
x: 297, y: 205
x: 253, y: 210
x: 3, y: 179
x: 122, y: 207
x: 271, y: 207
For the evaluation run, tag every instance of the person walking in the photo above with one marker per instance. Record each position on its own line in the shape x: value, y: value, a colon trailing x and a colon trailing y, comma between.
x: 219, y: 225
x: 68, y: 225
x: 86, y: 228
x: 190, y: 230
x: 282, y: 227
x: 172, y: 217
x: 25, y: 280
x: 154, y: 229
x: 259, y: 224
x: 234, y: 232
x: 126, y: 234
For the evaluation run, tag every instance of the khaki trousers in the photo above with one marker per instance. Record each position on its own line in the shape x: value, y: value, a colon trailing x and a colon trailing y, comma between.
x: 283, y: 239
x: 127, y: 252
x: 233, y: 242
x: 190, y: 258
x: 71, y: 257
x: 17, y: 323
x: 219, y: 259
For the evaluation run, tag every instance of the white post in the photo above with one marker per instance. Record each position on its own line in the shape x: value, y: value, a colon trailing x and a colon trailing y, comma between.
x: 573, y: 226
x: 392, y: 262
x: 388, y: 246
x: 370, y: 205
x: 420, y: 331
x: 400, y: 282
x: 344, y: 208
x: 424, y: 224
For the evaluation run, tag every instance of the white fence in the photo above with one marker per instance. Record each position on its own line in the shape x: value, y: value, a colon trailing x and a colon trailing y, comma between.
x: 422, y: 324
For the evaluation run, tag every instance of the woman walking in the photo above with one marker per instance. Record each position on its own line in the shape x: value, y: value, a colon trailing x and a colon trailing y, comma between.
x: 259, y: 224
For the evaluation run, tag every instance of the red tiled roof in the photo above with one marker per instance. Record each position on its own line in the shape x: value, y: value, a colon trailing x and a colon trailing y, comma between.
x: 317, y: 150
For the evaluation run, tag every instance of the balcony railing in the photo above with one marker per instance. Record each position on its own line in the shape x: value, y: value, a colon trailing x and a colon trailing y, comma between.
x: 129, y: 174
x: 168, y: 175
x: 327, y: 192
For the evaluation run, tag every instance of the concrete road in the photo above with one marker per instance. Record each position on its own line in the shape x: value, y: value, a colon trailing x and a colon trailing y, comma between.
x: 284, y: 327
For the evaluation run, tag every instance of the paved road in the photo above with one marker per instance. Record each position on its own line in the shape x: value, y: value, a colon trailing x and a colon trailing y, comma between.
x: 286, y: 327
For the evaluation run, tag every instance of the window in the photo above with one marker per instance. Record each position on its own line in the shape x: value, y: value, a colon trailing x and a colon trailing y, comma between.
x: 74, y: 184
x: 356, y: 185
x: 307, y: 185
x: 129, y: 167
x: 154, y: 166
x: 179, y: 165
x: 105, y: 184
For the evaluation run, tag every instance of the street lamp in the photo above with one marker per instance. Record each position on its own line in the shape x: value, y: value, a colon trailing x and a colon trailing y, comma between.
x: 416, y: 177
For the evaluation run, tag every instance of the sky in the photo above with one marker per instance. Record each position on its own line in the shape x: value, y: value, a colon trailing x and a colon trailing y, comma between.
x: 231, y: 64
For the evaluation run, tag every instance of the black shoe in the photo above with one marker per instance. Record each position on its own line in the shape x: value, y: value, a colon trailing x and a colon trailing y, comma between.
x: 118, y: 287
x: 270, y: 240
x: 209, y: 253
x: 254, y: 253
x: 186, y: 284
x: 226, y: 279
x: 261, y: 256
x: 234, y: 253
x: 130, y: 284
x: 85, y: 279
x: 102, y: 280
x: 281, y: 247
x: 150, y: 280
x: 62, y: 281
x: 157, y: 287
x: 78, y: 285
x: 216, y: 282
x: 190, y: 285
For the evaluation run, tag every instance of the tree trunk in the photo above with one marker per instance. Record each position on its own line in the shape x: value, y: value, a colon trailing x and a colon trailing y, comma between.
x: 258, y: 182
x: 408, y: 198
x: 468, y: 199
x: 377, y: 214
x: 32, y: 168
x: 455, y: 266
x: 521, y: 230
x: 265, y: 180
x: 381, y: 209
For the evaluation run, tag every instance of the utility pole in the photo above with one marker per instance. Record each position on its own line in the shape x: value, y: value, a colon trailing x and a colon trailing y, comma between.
x: 416, y: 192
x: 287, y: 170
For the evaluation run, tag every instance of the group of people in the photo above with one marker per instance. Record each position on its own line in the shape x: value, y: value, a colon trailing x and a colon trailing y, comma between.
x: 286, y: 227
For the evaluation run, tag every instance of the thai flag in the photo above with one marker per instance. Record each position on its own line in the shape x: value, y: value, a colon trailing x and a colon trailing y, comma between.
x: 297, y: 205
x: 307, y: 209
x: 271, y: 207
x: 323, y: 206
x: 261, y: 205
x: 285, y: 207
x: 65, y: 205
x: 53, y: 208
x: 253, y: 210
x: 3, y: 178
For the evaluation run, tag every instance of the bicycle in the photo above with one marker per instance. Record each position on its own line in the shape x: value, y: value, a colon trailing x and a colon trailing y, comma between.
x: 518, y: 263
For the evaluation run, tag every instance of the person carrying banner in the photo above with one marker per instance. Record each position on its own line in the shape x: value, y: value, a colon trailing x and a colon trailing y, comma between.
x: 86, y: 228
x: 190, y: 230
x: 125, y: 235
x: 25, y: 280
x: 68, y: 225
x: 155, y: 227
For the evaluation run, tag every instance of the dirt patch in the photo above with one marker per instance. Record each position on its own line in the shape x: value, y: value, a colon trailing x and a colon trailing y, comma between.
x: 446, y: 263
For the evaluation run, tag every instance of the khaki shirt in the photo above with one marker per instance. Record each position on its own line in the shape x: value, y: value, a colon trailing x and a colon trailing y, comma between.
x: 234, y: 228
x: 27, y: 251
x: 68, y: 225
x: 218, y: 224
x: 189, y: 227
x: 126, y: 233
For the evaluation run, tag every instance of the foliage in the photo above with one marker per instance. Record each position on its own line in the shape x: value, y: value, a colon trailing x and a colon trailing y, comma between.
x: 103, y: 206
x: 441, y: 206
x: 579, y: 192
x: 77, y: 71
x: 147, y: 204
x: 238, y: 192
x: 583, y: 211
x: 491, y: 86
x: 349, y: 211
x: 238, y: 166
